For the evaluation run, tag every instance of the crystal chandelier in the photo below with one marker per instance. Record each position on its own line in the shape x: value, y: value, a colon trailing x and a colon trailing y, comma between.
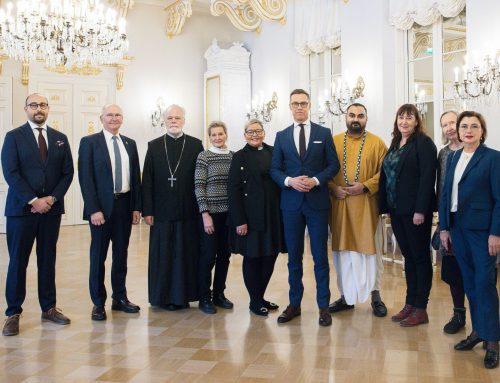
x: 342, y: 97
x: 479, y: 82
x: 262, y: 110
x: 157, y: 120
x: 420, y: 101
x: 63, y: 32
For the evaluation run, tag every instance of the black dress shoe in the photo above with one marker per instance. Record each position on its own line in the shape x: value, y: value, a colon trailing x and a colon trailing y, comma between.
x: 325, y: 318
x: 339, y: 305
x: 124, y: 305
x: 220, y: 300
x: 270, y: 305
x: 174, y: 307
x: 259, y: 309
x: 379, y: 309
x: 99, y: 313
x: 207, y: 306
x: 491, y: 359
x: 468, y: 343
x: 289, y: 313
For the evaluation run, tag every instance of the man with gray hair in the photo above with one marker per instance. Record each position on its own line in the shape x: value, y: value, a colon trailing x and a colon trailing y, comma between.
x: 171, y: 210
x: 109, y: 174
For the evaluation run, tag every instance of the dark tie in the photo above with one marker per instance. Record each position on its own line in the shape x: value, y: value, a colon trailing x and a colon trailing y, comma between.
x: 302, y: 142
x: 42, y: 145
x: 118, y: 166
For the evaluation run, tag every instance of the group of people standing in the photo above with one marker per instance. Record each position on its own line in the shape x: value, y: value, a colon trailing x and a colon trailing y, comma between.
x: 202, y: 205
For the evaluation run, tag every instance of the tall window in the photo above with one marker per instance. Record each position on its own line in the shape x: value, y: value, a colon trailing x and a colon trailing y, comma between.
x: 324, y: 72
x: 433, y: 53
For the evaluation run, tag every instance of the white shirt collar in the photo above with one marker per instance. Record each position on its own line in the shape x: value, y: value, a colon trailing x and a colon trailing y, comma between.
x: 109, y: 136
x: 35, y: 126
x: 213, y: 149
x: 306, y: 123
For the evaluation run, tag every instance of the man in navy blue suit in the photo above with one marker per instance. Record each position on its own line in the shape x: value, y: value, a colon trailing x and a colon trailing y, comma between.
x: 109, y: 174
x: 304, y: 160
x: 38, y: 167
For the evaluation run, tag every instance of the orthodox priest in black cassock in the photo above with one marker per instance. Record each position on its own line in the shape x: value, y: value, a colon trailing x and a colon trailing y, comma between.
x: 169, y: 198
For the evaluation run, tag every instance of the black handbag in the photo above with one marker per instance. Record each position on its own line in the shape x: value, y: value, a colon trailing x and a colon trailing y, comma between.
x: 436, y: 240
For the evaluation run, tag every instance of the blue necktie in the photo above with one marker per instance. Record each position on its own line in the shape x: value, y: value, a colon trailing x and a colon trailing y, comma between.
x: 118, y: 166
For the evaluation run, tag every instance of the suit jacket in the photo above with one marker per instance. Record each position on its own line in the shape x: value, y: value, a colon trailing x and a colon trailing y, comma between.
x: 246, y: 191
x: 416, y: 177
x: 478, y: 192
x: 96, y: 176
x: 28, y: 177
x: 320, y: 161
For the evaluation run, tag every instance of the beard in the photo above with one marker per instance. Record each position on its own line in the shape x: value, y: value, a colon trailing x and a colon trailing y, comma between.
x: 355, y: 128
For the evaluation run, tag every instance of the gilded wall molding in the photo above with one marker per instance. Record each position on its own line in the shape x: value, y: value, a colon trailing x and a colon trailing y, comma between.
x: 121, y: 6
x: 247, y: 15
x: 177, y: 13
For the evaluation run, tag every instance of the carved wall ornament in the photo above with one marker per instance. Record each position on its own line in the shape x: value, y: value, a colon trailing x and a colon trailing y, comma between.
x: 25, y: 73
x: 247, y: 15
x: 87, y: 70
x: 121, y: 6
x: 90, y: 127
x: 177, y: 13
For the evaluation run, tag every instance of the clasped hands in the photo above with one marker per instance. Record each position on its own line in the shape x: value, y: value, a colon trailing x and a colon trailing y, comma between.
x: 341, y: 192
x: 302, y: 183
x: 42, y: 205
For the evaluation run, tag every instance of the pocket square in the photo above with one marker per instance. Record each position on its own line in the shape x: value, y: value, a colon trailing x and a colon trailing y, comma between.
x: 318, y: 142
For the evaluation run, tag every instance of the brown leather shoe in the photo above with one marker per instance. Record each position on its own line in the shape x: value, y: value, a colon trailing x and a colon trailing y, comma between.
x: 325, y: 318
x: 289, y: 313
x: 55, y: 315
x: 418, y: 316
x: 403, y: 314
x: 11, y: 326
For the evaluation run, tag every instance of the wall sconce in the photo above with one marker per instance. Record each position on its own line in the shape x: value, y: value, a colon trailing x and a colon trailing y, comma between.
x: 478, y: 82
x: 262, y: 110
x: 420, y: 101
x: 157, y: 114
x: 342, y: 96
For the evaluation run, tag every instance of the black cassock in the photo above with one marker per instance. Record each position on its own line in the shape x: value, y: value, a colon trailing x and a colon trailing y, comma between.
x: 174, y: 237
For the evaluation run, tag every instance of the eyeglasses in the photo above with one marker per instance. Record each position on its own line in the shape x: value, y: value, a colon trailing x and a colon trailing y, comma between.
x: 111, y: 116
x: 35, y: 106
x: 303, y: 104
x: 256, y: 132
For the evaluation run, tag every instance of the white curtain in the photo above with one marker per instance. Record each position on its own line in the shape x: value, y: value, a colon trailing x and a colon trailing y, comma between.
x: 403, y: 13
x: 317, y: 26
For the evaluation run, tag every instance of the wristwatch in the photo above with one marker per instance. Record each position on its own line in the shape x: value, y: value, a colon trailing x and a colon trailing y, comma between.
x: 365, y: 189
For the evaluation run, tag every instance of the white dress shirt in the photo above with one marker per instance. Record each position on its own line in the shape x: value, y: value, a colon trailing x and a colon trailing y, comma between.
x: 125, y: 160
x: 34, y: 128
x: 457, y: 176
x: 296, y: 139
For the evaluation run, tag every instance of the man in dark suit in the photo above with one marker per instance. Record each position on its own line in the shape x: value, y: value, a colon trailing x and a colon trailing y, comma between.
x: 304, y: 160
x: 109, y: 174
x: 38, y: 167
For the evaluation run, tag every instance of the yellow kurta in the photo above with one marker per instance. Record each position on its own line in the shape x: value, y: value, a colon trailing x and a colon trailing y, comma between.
x: 353, y: 220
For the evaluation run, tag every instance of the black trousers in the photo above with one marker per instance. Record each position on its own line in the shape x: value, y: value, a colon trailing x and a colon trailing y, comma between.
x: 21, y: 234
x: 116, y: 229
x: 257, y: 273
x: 214, y: 252
x: 414, y: 242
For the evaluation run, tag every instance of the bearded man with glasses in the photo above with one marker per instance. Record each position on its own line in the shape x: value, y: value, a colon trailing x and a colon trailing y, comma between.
x: 38, y: 167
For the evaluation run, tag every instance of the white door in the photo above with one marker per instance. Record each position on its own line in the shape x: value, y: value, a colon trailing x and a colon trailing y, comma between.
x: 5, y: 125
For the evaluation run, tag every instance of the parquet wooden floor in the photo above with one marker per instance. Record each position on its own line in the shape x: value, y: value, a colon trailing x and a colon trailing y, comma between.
x: 232, y: 345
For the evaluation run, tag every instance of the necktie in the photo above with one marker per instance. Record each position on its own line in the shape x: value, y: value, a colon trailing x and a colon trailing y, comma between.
x: 302, y: 142
x: 118, y: 166
x: 42, y: 145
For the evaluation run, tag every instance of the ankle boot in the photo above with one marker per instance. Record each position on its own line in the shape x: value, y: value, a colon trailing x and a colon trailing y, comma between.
x: 403, y: 314
x: 418, y: 316
x: 456, y: 322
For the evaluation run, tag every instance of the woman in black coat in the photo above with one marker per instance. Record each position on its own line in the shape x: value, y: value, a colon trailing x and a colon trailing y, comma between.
x: 254, y: 215
x: 406, y: 192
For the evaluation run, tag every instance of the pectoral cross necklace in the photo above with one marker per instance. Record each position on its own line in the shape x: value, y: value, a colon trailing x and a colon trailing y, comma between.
x: 172, y: 178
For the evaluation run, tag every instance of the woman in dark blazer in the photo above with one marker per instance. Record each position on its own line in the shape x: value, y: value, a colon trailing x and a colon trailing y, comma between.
x: 470, y: 211
x: 406, y: 193
x: 254, y: 215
